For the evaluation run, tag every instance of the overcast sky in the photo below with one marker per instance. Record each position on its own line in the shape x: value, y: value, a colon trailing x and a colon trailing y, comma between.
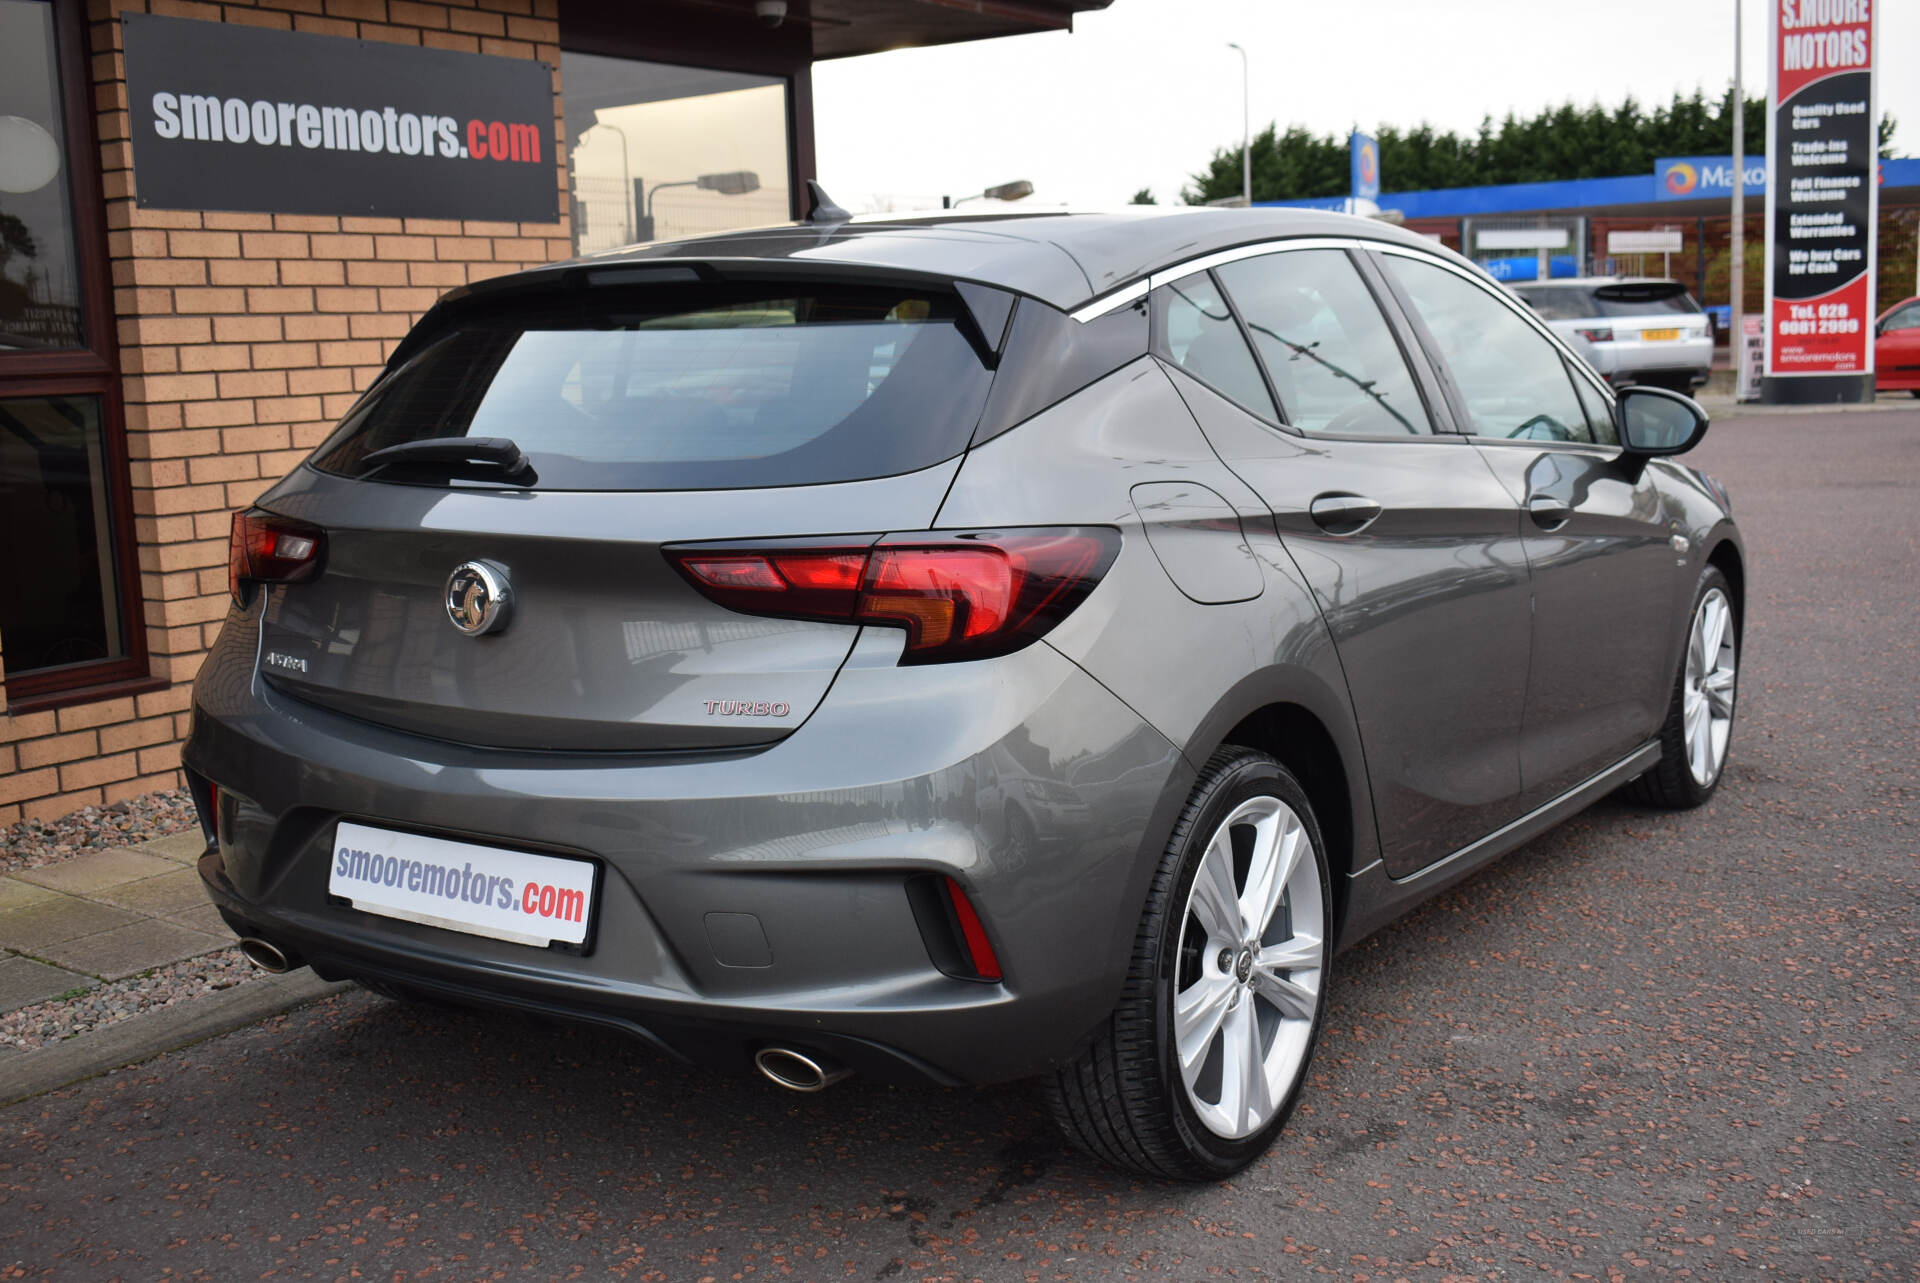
x: 1141, y: 94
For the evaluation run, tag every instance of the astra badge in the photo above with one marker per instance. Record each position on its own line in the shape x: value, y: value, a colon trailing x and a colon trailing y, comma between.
x: 478, y: 598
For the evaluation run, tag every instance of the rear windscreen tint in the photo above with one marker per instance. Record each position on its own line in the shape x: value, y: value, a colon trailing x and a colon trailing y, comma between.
x: 685, y: 390
x: 1579, y: 302
x: 1654, y: 298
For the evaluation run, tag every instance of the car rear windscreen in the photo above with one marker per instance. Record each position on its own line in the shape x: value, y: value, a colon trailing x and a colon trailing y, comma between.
x: 1644, y: 298
x: 1579, y: 302
x: 684, y: 389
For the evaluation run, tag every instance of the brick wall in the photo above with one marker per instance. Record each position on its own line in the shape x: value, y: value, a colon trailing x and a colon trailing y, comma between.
x: 243, y: 337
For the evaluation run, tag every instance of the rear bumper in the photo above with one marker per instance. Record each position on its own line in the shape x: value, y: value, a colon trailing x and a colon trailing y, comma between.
x: 1623, y: 361
x: 1021, y: 778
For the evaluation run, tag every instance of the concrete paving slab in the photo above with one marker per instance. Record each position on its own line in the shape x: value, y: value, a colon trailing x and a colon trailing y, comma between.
x: 181, y: 848
x: 24, y: 982
x: 97, y: 870
x: 175, y: 891
x: 15, y: 894
x: 39, y: 927
x: 131, y: 949
x: 204, y: 917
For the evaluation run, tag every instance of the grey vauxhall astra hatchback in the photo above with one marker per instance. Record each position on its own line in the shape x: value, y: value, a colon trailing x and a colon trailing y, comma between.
x: 956, y: 650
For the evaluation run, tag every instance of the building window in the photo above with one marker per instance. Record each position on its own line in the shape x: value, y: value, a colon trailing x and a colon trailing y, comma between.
x: 69, y: 609
x: 62, y: 605
x: 659, y: 152
x: 39, y: 271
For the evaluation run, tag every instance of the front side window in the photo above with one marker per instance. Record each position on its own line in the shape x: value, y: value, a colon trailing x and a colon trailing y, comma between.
x: 1202, y: 338
x: 675, y: 391
x: 1907, y: 318
x: 1599, y: 414
x: 1508, y: 373
x: 1559, y: 302
x: 1334, y: 362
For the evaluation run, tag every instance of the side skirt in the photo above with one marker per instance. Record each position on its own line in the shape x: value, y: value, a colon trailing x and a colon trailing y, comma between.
x: 1374, y: 898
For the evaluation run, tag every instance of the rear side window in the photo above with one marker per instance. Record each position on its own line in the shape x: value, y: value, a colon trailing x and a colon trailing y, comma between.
x: 1334, y: 363
x: 1203, y: 339
x: 711, y: 389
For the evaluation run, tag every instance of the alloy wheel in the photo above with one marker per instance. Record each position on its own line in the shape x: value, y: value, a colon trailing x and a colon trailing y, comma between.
x: 1707, y: 697
x: 1251, y: 956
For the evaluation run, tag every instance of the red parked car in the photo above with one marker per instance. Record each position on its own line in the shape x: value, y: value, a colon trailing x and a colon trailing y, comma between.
x: 1896, y: 349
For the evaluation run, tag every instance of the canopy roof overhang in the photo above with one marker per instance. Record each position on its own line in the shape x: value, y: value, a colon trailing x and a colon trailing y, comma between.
x: 813, y: 30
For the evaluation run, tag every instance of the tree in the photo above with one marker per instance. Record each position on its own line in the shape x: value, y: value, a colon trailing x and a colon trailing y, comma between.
x: 1143, y: 197
x: 1562, y: 142
x: 15, y: 239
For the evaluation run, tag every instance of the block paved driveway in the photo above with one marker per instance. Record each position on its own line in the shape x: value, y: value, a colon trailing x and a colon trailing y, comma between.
x: 1644, y: 1046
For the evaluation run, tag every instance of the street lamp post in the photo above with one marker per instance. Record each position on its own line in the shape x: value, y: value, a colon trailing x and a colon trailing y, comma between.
x: 626, y: 177
x: 1737, y: 248
x: 1018, y: 189
x: 736, y: 182
x: 1246, y: 131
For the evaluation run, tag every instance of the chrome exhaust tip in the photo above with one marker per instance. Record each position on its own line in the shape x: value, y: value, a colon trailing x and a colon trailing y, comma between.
x: 798, y: 1070
x: 267, y: 956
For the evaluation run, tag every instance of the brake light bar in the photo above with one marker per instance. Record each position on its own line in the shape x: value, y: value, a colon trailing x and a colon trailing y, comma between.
x: 962, y: 595
x: 263, y: 548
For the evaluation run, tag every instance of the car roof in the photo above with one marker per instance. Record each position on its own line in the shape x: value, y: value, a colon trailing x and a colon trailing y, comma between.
x: 1064, y: 259
x: 1568, y: 282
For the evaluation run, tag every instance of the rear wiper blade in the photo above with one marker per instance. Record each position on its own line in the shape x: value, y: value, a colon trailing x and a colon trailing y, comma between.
x: 458, y: 454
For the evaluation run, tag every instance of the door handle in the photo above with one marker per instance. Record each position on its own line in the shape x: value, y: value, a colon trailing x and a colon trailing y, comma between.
x: 1343, y: 514
x: 1549, y: 513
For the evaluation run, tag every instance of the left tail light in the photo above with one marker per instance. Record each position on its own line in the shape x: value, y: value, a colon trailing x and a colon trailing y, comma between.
x: 265, y: 549
x: 1598, y: 334
x: 967, y: 595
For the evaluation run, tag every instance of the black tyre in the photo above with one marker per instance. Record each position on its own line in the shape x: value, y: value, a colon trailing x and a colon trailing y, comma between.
x: 1698, y: 730
x: 1203, y: 1059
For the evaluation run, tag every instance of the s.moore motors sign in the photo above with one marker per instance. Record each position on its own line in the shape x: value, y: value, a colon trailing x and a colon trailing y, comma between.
x: 238, y: 118
x: 1823, y: 206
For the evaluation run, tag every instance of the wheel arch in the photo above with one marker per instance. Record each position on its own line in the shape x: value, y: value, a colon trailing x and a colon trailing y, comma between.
x: 1308, y: 728
x: 1726, y: 557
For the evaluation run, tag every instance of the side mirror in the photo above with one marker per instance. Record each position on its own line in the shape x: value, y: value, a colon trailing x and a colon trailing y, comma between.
x: 1655, y: 421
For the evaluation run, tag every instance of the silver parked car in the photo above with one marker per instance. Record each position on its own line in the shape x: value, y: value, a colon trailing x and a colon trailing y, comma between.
x: 956, y: 650
x: 1630, y: 329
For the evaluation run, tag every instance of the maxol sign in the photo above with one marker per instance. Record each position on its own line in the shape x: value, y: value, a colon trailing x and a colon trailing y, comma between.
x: 240, y: 118
x: 1700, y: 177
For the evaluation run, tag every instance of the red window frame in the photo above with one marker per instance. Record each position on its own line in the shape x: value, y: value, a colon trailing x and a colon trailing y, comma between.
x: 94, y: 371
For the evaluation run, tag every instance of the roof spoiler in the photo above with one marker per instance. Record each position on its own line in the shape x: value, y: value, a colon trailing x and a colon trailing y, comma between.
x: 1640, y: 291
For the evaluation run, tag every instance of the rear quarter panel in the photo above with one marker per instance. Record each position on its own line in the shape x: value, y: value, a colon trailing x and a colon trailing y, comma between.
x: 1191, y: 670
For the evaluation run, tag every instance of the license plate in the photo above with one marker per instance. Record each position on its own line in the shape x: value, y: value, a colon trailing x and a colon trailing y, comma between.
x: 481, y: 890
x: 1659, y: 336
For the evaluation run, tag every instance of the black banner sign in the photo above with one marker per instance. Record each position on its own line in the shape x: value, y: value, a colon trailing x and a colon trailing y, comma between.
x: 240, y: 118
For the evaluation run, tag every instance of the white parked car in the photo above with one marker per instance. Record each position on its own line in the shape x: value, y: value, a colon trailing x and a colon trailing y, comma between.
x: 1630, y: 329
